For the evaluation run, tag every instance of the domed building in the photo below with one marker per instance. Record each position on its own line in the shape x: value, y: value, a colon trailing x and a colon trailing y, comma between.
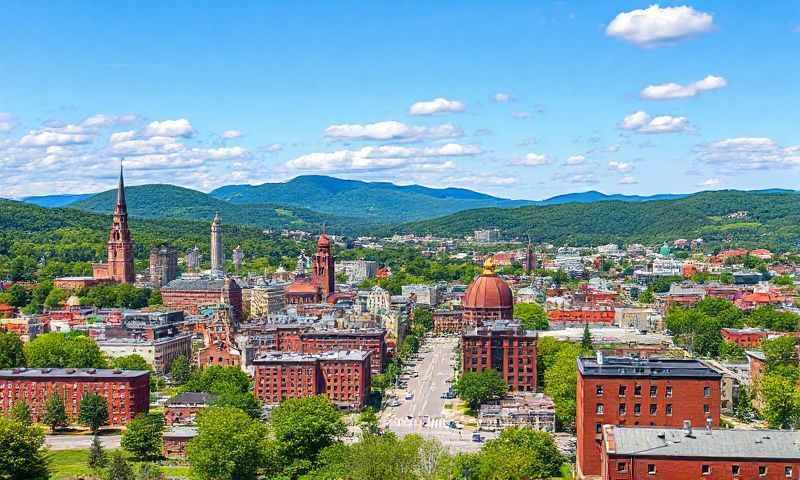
x: 487, y: 298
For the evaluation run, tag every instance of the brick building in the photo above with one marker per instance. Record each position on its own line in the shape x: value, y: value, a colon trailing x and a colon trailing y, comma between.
x: 183, y: 408
x: 505, y: 347
x: 636, y: 392
x: 127, y: 391
x: 684, y: 453
x: 744, y: 337
x: 163, y: 265
x: 374, y: 340
x: 582, y: 316
x: 487, y: 298
x: 189, y: 294
x: 119, y: 267
x: 448, y: 322
x: 344, y: 376
x: 176, y: 439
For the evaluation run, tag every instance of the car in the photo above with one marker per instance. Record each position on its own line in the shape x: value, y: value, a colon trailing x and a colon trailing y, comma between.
x: 409, y: 396
x: 394, y: 403
x: 452, y: 424
x: 415, y: 375
x: 476, y: 437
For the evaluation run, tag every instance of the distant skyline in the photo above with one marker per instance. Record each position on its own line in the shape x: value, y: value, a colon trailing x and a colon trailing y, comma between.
x: 516, y: 99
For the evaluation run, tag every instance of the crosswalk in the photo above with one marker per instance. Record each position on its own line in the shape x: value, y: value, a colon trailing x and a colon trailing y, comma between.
x: 434, y: 423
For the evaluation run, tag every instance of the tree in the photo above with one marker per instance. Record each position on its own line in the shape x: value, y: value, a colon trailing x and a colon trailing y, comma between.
x: 246, y: 402
x: 424, y: 317
x: 368, y: 422
x: 743, y: 409
x: 11, y: 351
x: 780, y: 350
x: 149, y: 471
x: 22, y: 453
x: 180, y: 369
x: 560, y: 382
x: 781, y: 402
x: 520, y: 453
x: 133, y: 361
x: 93, y: 412
x: 647, y: 296
x: 155, y: 298
x: 726, y: 278
x: 118, y: 468
x: 17, y: 296
x: 21, y: 412
x: 229, y: 445
x: 586, y: 341
x: 783, y: 280
x: 303, y: 427
x: 142, y: 436
x: 64, y: 350
x: 55, y: 415
x: 97, y: 456
x: 476, y: 388
x: 731, y: 351
x: 531, y: 315
x: 216, y: 379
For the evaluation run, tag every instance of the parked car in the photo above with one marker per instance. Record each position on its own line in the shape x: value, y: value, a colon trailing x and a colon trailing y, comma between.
x: 476, y: 437
x: 409, y: 396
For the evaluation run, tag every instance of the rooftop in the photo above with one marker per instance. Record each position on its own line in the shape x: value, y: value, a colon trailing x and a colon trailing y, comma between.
x: 192, y: 398
x: 646, y: 368
x: 81, y: 373
x: 195, y: 284
x: 702, y: 443
x: 181, y: 432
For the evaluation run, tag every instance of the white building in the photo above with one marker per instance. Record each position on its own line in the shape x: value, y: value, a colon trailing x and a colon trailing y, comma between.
x: 424, y: 294
x: 357, y: 270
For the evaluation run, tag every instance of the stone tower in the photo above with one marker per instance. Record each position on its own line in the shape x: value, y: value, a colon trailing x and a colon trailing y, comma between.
x: 120, y: 244
x: 322, y: 271
x: 217, y: 254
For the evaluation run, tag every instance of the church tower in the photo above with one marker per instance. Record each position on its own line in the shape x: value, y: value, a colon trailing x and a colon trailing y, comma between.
x: 120, y: 244
x: 217, y: 254
x: 322, y: 274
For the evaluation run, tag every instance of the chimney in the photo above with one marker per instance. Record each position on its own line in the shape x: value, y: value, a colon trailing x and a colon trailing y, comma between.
x: 687, y: 428
x: 599, y: 357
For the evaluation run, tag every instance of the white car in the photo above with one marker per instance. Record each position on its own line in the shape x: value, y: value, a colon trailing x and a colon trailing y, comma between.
x: 409, y: 396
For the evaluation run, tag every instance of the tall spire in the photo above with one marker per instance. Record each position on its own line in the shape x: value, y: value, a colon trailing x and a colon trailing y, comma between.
x: 121, y: 188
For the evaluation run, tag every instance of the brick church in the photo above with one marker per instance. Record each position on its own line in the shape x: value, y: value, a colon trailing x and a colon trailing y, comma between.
x: 322, y: 283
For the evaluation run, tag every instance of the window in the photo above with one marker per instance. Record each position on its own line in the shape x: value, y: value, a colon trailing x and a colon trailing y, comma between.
x: 622, y: 409
x: 637, y: 409
x: 705, y: 469
x: 735, y: 470
x: 598, y: 428
x: 668, y: 409
x: 762, y: 470
x: 707, y: 392
x: 706, y: 408
x: 787, y: 471
x: 637, y: 390
x: 651, y: 469
x: 622, y: 467
x: 653, y: 391
x: 599, y: 390
x: 599, y: 409
x: 622, y: 389
x: 668, y: 391
x: 653, y: 408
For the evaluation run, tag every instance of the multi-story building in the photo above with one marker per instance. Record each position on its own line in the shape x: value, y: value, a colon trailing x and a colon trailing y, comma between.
x: 374, y: 340
x: 678, y: 453
x: 448, y: 322
x: 126, y: 391
x: 267, y: 299
x: 159, y: 352
x: 745, y: 337
x: 421, y: 294
x: 581, y: 316
x: 357, y: 270
x: 344, y: 376
x: 533, y: 410
x: 183, y: 408
x: 487, y: 298
x: 27, y: 327
x: 639, y: 392
x: 505, y: 347
x: 163, y: 265
x: 190, y: 294
x: 378, y: 301
x: 490, y: 235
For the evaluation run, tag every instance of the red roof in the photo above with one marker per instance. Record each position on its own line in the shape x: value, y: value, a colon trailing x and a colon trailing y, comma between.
x: 488, y: 291
x: 302, y: 286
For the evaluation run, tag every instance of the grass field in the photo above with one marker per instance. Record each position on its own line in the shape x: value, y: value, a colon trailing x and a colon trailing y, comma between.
x: 65, y: 464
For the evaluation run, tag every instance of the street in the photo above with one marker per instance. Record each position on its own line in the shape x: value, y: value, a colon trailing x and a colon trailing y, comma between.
x: 425, y: 412
x: 71, y: 442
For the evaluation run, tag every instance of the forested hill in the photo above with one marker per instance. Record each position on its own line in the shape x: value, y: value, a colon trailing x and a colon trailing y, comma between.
x: 758, y: 218
x: 378, y: 202
x: 169, y: 201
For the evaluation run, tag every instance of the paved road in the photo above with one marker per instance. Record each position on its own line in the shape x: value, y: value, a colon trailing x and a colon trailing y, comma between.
x: 71, y: 442
x: 425, y: 413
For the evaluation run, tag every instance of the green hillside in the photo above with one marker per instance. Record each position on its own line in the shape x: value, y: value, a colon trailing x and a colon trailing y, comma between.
x: 169, y: 201
x: 379, y: 202
x: 769, y: 219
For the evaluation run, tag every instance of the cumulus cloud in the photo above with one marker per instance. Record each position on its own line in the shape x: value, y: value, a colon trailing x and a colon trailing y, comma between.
x: 502, y: 97
x: 383, y: 157
x: 122, y: 136
x: 710, y: 183
x: 667, y: 91
x: 104, y: 121
x: 620, y: 167
x: 628, y: 180
x: 642, y: 122
x: 391, y: 130
x: 271, y: 148
x: 231, y: 134
x: 749, y: 153
x: 6, y: 122
x: 437, y: 105
x: 169, y: 128
x: 46, y: 139
x: 532, y: 160
x: 575, y: 160
x: 655, y: 26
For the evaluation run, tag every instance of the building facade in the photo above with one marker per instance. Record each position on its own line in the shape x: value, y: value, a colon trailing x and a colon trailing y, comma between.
x: 448, y: 322
x: 189, y: 294
x: 374, y: 340
x: 505, y: 347
x: 487, y: 298
x: 163, y: 265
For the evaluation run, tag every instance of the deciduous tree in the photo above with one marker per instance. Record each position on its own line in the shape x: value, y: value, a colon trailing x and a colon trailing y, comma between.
x: 93, y: 412
x: 476, y: 388
x: 142, y: 436
x: 22, y: 453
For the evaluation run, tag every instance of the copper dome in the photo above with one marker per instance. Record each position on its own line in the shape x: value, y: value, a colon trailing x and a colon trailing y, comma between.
x: 488, y: 291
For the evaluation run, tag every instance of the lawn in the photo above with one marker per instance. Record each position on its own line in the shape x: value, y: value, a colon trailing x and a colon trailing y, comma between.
x: 65, y: 464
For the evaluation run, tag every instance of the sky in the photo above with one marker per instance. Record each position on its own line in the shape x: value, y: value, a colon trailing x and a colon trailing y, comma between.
x: 517, y: 99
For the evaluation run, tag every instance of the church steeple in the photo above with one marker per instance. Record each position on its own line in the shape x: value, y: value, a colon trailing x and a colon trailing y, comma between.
x: 120, y: 245
x: 121, y: 191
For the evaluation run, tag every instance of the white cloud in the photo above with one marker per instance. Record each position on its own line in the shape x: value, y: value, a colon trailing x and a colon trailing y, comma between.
x: 710, y: 183
x: 46, y: 139
x: 620, y: 167
x: 656, y: 26
x: 102, y: 121
x: 122, y: 136
x: 666, y: 91
x: 575, y: 160
x: 6, y: 122
x: 391, y: 130
x: 502, y: 97
x: 231, y: 134
x: 532, y: 160
x: 437, y: 105
x: 582, y: 179
x: 628, y: 180
x: 147, y: 146
x: 642, y: 122
x: 452, y: 149
x: 168, y: 128
x: 481, y: 180
x: 271, y: 148
x: 749, y: 153
x: 521, y: 115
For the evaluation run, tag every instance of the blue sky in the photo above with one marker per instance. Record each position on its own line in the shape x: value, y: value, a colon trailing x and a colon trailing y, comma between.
x: 534, y: 98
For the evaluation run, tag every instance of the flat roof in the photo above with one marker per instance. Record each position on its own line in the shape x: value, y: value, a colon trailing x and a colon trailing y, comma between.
x: 69, y: 373
x: 702, y: 443
x: 646, y: 368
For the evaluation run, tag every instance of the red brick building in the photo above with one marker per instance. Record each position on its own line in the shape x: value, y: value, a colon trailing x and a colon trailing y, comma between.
x: 322, y: 283
x: 182, y: 409
x: 189, y: 294
x: 487, y: 298
x: 635, y: 392
x: 127, y: 391
x: 687, y: 453
x: 374, y: 340
x: 581, y: 316
x: 344, y: 376
x: 176, y: 439
x: 119, y: 267
x: 505, y: 347
x: 744, y: 337
x: 448, y: 322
